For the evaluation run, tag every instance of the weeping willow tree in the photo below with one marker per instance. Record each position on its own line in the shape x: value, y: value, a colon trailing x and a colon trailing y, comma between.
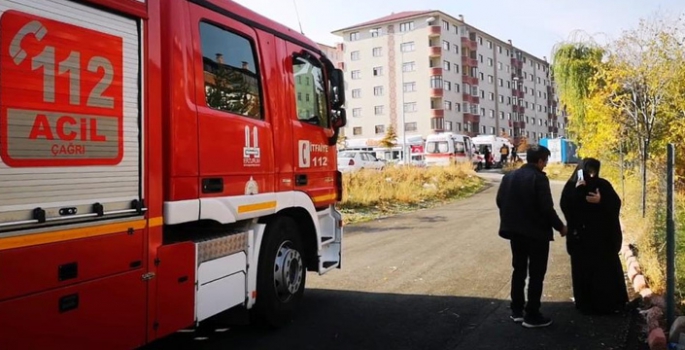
x: 575, y: 66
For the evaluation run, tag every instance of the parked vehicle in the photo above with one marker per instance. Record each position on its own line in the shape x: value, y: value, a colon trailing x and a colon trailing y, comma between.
x: 494, y: 143
x: 349, y: 161
x: 448, y: 148
x: 157, y: 168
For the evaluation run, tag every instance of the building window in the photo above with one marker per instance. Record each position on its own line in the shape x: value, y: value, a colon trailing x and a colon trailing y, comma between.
x: 492, y: 130
x: 354, y: 55
x: 490, y: 62
x: 356, y: 93
x: 490, y: 79
x: 448, y: 105
x: 377, y: 52
x: 378, y: 90
x: 501, y: 115
x: 445, y: 45
x: 437, y: 123
x: 446, y: 85
x: 354, y: 36
x: 501, y: 98
x: 411, y: 126
x: 378, y: 110
x: 436, y: 82
x: 410, y: 107
x: 356, y: 112
x: 380, y: 129
x: 491, y: 113
x: 408, y: 66
x: 407, y: 47
x: 377, y: 71
x: 482, y: 93
x: 491, y: 96
x: 445, y: 25
x: 499, y: 65
x: 489, y: 44
x: 448, y: 126
x: 410, y: 87
x: 406, y: 26
x: 376, y: 32
x: 356, y: 74
x: 357, y: 130
x: 456, y: 68
x: 231, y: 76
x: 446, y: 65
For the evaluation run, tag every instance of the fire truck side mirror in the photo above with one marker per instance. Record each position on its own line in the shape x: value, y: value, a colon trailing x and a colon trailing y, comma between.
x: 339, y: 118
x: 337, y: 88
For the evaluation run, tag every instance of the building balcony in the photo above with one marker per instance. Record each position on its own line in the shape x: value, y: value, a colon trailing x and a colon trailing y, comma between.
x: 471, y: 118
x: 468, y: 43
x: 550, y: 90
x: 436, y: 70
x: 437, y: 92
x: 551, y: 115
x: 437, y: 113
x: 470, y: 98
x: 435, y: 51
x: 553, y: 129
x: 468, y: 61
x: 517, y: 93
x: 466, y: 79
x: 516, y: 63
x: 517, y: 109
x: 520, y: 125
x: 434, y: 31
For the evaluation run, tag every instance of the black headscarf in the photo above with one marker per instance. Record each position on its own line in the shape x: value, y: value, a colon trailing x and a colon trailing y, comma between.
x: 586, y: 164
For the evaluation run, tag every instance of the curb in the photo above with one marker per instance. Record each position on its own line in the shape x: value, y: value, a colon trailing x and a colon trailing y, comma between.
x: 654, y: 305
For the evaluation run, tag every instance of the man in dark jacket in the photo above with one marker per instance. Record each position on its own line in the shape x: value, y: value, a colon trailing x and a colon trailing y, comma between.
x: 527, y: 217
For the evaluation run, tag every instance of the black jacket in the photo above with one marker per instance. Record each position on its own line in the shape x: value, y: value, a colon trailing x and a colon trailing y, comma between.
x: 525, y: 205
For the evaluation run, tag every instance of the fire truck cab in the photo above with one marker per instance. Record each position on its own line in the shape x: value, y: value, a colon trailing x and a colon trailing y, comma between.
x: 161, y: 161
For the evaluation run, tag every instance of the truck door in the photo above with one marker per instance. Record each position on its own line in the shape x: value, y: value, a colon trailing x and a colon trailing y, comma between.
x: 314, y: 160
x: 234, y: 130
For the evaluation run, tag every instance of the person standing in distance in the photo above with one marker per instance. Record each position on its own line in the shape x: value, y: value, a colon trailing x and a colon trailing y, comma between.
x: 527, y: 217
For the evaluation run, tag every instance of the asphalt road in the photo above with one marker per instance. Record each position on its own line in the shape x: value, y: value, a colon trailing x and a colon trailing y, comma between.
x: 432, y: 279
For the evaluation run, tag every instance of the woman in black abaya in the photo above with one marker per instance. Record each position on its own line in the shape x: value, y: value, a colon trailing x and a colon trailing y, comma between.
x: 592, y: 207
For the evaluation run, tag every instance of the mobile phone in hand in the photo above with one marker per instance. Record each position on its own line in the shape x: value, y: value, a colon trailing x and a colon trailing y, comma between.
x: 580, y: 175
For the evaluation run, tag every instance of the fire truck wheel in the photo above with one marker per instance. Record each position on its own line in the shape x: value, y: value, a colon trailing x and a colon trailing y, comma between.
x: 281, y: 273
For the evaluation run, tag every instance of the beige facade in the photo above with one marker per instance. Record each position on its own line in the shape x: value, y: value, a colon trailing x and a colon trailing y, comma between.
x: 433, y: 72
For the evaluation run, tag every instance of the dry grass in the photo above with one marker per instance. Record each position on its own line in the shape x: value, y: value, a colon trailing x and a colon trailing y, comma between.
x: 555, y: 171
x: 369, y: 194
x: 648, y: 234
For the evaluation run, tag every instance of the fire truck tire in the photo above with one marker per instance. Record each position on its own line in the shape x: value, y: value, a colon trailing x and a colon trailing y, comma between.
x: 281, y: 273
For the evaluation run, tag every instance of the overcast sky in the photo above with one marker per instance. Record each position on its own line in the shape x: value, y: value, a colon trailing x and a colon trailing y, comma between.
x: 533, y: 25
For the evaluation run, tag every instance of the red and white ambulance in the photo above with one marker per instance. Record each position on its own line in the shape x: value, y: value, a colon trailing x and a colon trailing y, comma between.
x: 161, y: 161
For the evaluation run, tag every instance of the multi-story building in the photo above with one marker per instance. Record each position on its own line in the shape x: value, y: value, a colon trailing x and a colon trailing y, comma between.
x: 425, y: 71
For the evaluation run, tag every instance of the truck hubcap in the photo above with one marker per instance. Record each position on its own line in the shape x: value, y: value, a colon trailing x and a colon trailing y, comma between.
x: 288, y: 271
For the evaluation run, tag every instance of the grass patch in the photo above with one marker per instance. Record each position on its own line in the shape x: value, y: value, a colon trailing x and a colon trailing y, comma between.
x: 370, y: 194
x: 648, y: 234
x: 555, y: 171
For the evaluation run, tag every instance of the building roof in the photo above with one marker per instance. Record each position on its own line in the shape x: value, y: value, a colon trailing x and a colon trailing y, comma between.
x: 390, y: 18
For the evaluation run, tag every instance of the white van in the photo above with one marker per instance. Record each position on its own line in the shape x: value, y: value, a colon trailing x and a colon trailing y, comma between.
x: 448, y: 148
x: 494, y: 143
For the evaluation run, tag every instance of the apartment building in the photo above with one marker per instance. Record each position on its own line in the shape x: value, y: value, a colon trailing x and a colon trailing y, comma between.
x: 425, y: 71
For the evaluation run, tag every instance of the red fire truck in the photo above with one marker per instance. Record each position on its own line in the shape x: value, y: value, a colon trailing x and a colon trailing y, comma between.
x: 161, y: 161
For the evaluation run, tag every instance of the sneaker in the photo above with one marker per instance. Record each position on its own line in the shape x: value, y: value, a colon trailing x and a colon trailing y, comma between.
x: 536, y: 321
x: 516, y: 316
